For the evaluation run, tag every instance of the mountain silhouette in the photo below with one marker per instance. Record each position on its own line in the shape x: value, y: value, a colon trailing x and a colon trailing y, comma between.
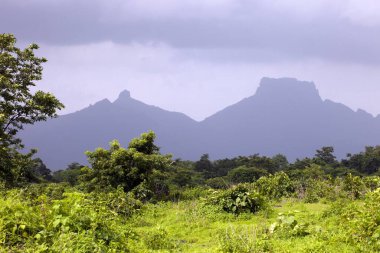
x: 289, y: 117
x: 65, y: 139
x: 284, y: 116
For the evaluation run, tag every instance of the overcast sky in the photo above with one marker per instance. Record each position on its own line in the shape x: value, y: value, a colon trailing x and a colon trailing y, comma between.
x: 199, y: 56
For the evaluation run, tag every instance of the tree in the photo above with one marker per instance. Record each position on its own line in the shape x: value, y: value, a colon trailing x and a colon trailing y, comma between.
x: 125, y: 167
x: 280, y: 162
x: 325, y: 156
x: 69, y: 175
x: 205, y: 166
x: 245, y: 174
x: 19, y: 69
x: 41, y: 171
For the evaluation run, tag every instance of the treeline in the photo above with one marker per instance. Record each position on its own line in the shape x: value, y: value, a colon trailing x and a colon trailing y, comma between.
x: 141, y: 168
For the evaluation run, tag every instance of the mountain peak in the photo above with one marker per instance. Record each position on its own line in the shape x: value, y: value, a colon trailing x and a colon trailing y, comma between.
x: 125, y: 94
x: 285, y: 88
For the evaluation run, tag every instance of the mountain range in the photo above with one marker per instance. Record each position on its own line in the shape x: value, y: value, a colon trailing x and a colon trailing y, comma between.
x: 284, y: 116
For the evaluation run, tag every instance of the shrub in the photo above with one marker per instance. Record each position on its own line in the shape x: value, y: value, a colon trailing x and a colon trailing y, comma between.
x: 354, y: 186
x: 275, y: 186
x: 363, y: 221
x: 238, y: 199
x: 372, y: 182
x: 218, y: 183
x: 318, y: 189
x: 77, y: 222
x: 287, y: 225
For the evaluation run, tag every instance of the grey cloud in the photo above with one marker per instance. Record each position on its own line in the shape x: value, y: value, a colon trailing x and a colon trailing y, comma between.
x: 260, y: 33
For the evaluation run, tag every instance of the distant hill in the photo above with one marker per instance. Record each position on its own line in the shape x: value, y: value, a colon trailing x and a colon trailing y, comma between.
x: 284, y: 116
x: 289, y: 117
x: 63, y: 140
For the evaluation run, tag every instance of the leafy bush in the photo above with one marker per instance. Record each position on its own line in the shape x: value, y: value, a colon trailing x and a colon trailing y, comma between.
x: 52, y: 191
x: 318, y: 189
x: 371, y: 182
x: 363, y: 221
x: 218, y: 183
x: 238, y: 199
x: 77, y: 222
x: 275, y: 186
x: 354, y: 186
x: 287, y: 225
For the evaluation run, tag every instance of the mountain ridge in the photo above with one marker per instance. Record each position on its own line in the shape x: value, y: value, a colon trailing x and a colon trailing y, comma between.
x: 284, y: 116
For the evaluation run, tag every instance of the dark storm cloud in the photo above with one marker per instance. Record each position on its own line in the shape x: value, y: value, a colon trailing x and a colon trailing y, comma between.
x: 249, y: 32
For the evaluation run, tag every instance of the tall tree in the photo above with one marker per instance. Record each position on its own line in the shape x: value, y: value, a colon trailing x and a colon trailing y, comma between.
x: 19, y: 70
x: 325, y: 156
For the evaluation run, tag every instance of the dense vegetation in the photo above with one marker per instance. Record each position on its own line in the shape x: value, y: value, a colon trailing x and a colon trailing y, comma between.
x: 135, y: 199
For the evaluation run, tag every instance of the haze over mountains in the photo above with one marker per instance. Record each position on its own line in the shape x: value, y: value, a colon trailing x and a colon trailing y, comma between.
x: 284, y: 116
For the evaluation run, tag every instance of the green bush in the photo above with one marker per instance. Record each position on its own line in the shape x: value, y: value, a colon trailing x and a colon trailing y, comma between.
x: 238, y: 199
x: 354, y: 186
x: 363, y: 221
x: 218, y: 183
x: 275, y: 186
x: 321, y: 189
x: 287, y: 226
x: 76, y: 222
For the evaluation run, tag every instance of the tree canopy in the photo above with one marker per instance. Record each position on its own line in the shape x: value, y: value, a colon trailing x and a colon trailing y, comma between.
x: 19, y: 71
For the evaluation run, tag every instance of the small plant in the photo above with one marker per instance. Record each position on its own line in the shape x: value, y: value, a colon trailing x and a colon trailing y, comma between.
x: 287, y: 225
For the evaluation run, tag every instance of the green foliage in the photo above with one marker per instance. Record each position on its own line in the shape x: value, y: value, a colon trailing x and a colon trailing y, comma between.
x: 159, y: 240
x: 123, y: 167
x: 367, y: 162
x: 244, y: 174
x: 362, y: 222
x: 233, y: 240
x: 371, y: 182
x: 288, y: 226
x: 238, y: 199
x: 190, y: 193
x: 40, y: 171
x: 325, y: 156
x: 318, y: 189
x: 76, y: 222
x: 354, y: 185
x: 69, y: 175
x: 218, y: 183
x: 275, y: 186
x: 19, y: 69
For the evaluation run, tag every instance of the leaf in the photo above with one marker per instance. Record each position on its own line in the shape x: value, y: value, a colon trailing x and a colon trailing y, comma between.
x: 56, y: 223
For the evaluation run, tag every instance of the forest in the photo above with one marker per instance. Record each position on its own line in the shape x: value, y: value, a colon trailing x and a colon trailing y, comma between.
x: 135, y: 199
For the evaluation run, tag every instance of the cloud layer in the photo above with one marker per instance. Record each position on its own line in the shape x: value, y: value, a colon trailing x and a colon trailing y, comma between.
x: 198, y: 56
